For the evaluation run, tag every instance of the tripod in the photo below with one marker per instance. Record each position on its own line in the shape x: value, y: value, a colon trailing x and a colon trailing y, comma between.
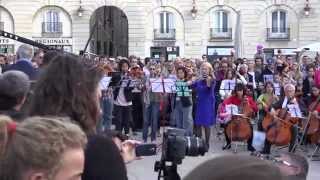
x: 169, y: 171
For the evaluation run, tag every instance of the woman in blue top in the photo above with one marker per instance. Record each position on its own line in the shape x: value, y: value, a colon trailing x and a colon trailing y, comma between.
x: 205, y: 103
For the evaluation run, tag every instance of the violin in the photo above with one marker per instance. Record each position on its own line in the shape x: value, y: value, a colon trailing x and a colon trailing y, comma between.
x: 106, y: 68
x: 239, y: 128
x: 136, y: 72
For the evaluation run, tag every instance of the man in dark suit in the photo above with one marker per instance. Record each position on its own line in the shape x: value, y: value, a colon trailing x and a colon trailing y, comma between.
x: 24, y: 56
x: 283, y: 103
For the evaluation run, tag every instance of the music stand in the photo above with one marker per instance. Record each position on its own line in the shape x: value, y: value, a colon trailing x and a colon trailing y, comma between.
x: 161, y: 85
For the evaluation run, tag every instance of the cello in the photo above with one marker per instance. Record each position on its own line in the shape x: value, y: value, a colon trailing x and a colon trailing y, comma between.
x: 278, y: 128
x: 239, y: 128
x: 312, y: 125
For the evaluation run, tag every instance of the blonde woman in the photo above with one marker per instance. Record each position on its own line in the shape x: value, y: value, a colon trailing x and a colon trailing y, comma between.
x: 41, y: 149
x: 205, y: 102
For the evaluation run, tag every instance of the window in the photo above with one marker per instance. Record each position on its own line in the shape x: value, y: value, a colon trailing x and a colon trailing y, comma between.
x: 166, y: 22
x: 220, y: 21
x: 279, y: 22
x: 52, y: 21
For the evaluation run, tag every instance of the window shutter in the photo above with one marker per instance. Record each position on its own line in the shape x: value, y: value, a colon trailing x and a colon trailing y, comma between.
x: 225, y: 22
x: 171, y: 21
x: 162, y: 22
x: 167, y: 22
x: 275, y: 22
x: 48, y: 21
x: 216, y: 20
x: 283, y: 22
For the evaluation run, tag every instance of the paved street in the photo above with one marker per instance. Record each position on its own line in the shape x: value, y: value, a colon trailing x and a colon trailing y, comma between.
x: 144, y: 169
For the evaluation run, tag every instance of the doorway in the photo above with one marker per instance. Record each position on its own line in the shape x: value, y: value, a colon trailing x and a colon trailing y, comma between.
x: 109, y: 26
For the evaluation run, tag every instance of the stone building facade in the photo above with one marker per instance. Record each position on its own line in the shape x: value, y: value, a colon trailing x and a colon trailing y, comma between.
x: 168, y: 27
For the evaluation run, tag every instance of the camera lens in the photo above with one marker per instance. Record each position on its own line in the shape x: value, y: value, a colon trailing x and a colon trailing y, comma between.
x: 195, y: 146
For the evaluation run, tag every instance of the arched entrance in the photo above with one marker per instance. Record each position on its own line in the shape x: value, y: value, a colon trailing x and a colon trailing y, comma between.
x: 109, y: 26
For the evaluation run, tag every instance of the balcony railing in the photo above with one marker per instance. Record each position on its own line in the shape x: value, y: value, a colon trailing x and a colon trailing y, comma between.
x: 52, y: 29
x: 275, y: 34
x: 221, y: 34
x: 164, y: 34
x: 1, y: 25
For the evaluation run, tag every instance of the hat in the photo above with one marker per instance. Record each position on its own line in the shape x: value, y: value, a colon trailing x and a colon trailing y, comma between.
x: 259, y: 47
x: 239, y: 167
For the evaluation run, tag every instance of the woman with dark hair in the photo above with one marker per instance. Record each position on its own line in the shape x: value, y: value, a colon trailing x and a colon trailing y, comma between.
x: 308, y: 81
x: 100, y: 152
x: 265, y: 102
x: 123, y: 99
x: 183, y: 103
x: 238, y: 98
x: 66, y: 89
x: 227, y: 84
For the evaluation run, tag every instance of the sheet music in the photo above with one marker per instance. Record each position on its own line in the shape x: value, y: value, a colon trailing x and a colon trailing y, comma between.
x: 258, y: 140
x: 157, y: 85
x: 229, y: 84
x: 277, y: 89
x: 182, y: 89
x: 268, y: 78
x: 128, y: 83
x: 104, y: 83
x: 294, y: 110
x: 232, y: 109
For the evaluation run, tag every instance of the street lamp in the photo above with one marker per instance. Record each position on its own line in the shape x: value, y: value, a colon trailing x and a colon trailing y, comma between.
x: 80, y: 10
x: 307, y: 8
x: 194, y: 10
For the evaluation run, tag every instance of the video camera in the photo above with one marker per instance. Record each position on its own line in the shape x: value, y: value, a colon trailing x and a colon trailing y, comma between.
x: 176, y: 146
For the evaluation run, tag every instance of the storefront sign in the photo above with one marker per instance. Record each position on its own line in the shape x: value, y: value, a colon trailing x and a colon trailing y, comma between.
x: 164, y: 43
x: 286, y: 51
x: 5, y: 41
x: 54, y: 41
x: 219, y: 51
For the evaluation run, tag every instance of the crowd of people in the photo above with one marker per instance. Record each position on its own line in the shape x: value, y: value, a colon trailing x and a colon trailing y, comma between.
x: 54, y: 104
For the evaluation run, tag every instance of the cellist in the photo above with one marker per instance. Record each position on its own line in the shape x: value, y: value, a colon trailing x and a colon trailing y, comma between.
x: 313, y: 102
x: 288, y: 99
x: 311, y: 98
x: 238, y: 97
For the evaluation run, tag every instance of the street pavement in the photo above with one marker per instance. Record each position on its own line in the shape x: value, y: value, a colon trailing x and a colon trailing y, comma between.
x: 144, y: 169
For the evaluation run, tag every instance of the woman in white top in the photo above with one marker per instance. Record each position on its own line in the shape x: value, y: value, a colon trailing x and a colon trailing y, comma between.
x: 227, y: 84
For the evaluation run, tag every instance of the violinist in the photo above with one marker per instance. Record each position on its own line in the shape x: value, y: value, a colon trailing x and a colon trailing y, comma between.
x: 265, y: 101
x: 288, y: 99
x: 123, y: 99
x: 136, y: 74
x: 151, y: 102
x: 205, y: 101
x: 106, y: 101
x: 238, y: 98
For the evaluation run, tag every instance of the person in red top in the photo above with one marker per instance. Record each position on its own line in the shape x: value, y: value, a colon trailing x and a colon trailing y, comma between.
x: 238, y: 98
